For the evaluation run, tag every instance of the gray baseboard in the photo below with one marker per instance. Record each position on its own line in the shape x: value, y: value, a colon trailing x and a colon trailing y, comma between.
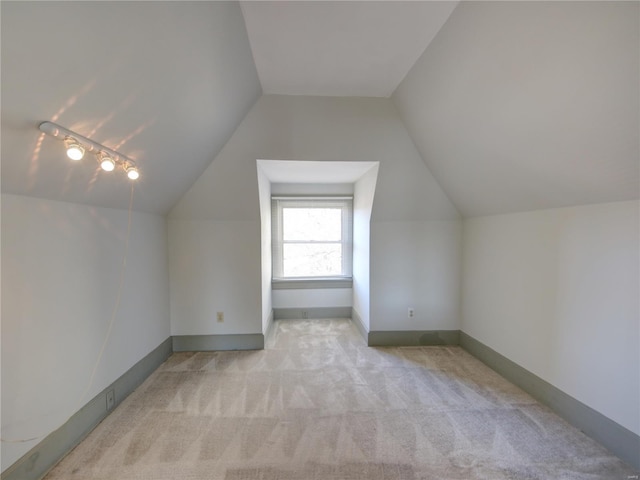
x: 314, y: 312
x: 357, y: 321
x: 37, y: 462
x: 413, y: 338
x: 622, y: 442
x: 40, y: 459
x: 205, y: 343
x: 269, y: 330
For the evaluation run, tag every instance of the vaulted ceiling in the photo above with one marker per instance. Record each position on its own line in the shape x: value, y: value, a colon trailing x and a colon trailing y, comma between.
x: 521, y: 106
x: 359, y: 49
x: 164, y: 83
x: 512, y: 105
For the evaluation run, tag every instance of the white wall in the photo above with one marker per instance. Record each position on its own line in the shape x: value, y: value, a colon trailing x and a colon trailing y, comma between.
x: 416, y: 265
x: 264, y: 192
x: 312, y: 188
x: 363, y: 198
x: 312, y: 297
x: 556, y: 291
x: 521, y: 106
x: 215, y: 267
x: 61, y: 266
x: 307, y: 128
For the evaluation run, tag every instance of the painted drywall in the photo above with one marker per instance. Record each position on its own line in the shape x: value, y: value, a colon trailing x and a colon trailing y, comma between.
x: 61, y: 272
x: 264, y: 193
x: 519, y: 106
x: 425, y: 276
x: 295, y: 188
x: 556, y: 291
x: 363, y: 198
x: 215, y: 267
x: 137, y: 89
x: 165, y: 83
x: 318, y: 128
x: 226, y: 196
x: 312, y: 297
x: 351, y: 49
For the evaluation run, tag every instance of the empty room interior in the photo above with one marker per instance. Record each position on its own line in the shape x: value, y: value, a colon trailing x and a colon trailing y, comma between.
x: 320, y: 240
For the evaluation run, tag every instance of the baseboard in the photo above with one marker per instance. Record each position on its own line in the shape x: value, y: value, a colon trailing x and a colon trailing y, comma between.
x: 37, y: 462
x: 313, y: 312
x: 269, y: 329
x: 205, y: 343
x: 413, y: 338
x: 619, y: 440
x: 40, y: 459
x: 357, y: 321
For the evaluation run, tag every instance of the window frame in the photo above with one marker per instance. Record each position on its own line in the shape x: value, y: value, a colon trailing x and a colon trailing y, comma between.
x: 278, y: 203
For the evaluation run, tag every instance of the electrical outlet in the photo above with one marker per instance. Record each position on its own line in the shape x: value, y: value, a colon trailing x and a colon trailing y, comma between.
x: 411, y: 313
x: 220, y: 317
x: 111, y: 399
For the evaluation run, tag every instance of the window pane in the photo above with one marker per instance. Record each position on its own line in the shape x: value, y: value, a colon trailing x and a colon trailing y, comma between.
x: 312, y: 260
x: 318, y: 224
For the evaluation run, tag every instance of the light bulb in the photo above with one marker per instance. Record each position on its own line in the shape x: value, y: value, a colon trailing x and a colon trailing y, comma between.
x: 132, y: 173
x: 107, y: 163
x: 75, y: 151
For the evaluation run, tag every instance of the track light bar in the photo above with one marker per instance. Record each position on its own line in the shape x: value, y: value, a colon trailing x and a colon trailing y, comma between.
x: 77, y: 145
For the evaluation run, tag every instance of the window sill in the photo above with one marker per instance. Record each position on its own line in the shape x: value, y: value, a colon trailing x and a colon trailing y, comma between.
x: 328, y: 282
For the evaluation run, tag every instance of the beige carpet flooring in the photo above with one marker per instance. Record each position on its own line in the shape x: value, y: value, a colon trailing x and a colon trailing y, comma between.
x: 318, y: 404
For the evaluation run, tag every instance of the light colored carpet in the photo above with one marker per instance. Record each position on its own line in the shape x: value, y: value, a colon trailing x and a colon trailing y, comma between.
x: 318, y: 404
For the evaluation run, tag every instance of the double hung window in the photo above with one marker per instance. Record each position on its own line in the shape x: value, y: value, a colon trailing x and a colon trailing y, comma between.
x: 311, y: 238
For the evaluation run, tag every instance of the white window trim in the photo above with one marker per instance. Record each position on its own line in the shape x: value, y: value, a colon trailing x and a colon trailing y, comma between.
x: 311, y: 283
x: 337, y: 281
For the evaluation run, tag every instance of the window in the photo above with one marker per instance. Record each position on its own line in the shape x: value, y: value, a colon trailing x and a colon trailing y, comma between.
x: 311, y: 238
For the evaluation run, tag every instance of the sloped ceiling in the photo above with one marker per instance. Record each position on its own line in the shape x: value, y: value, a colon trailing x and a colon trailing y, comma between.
x: 165, y: 83
x: 359, y: 49
x: 513, y: 105
x: 529, y: 105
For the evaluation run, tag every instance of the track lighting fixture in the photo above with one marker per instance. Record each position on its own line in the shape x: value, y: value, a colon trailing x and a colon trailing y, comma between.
x: 76, y: 146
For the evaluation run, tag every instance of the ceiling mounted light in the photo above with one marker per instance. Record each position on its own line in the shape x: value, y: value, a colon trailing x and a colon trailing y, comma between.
x: 77, y: 145
x: 75, y: 151
x: 132, y: 172
x: 106, y: 162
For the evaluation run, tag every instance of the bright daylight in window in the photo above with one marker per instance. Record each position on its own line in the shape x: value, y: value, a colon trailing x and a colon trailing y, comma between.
x: 312, y: 238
